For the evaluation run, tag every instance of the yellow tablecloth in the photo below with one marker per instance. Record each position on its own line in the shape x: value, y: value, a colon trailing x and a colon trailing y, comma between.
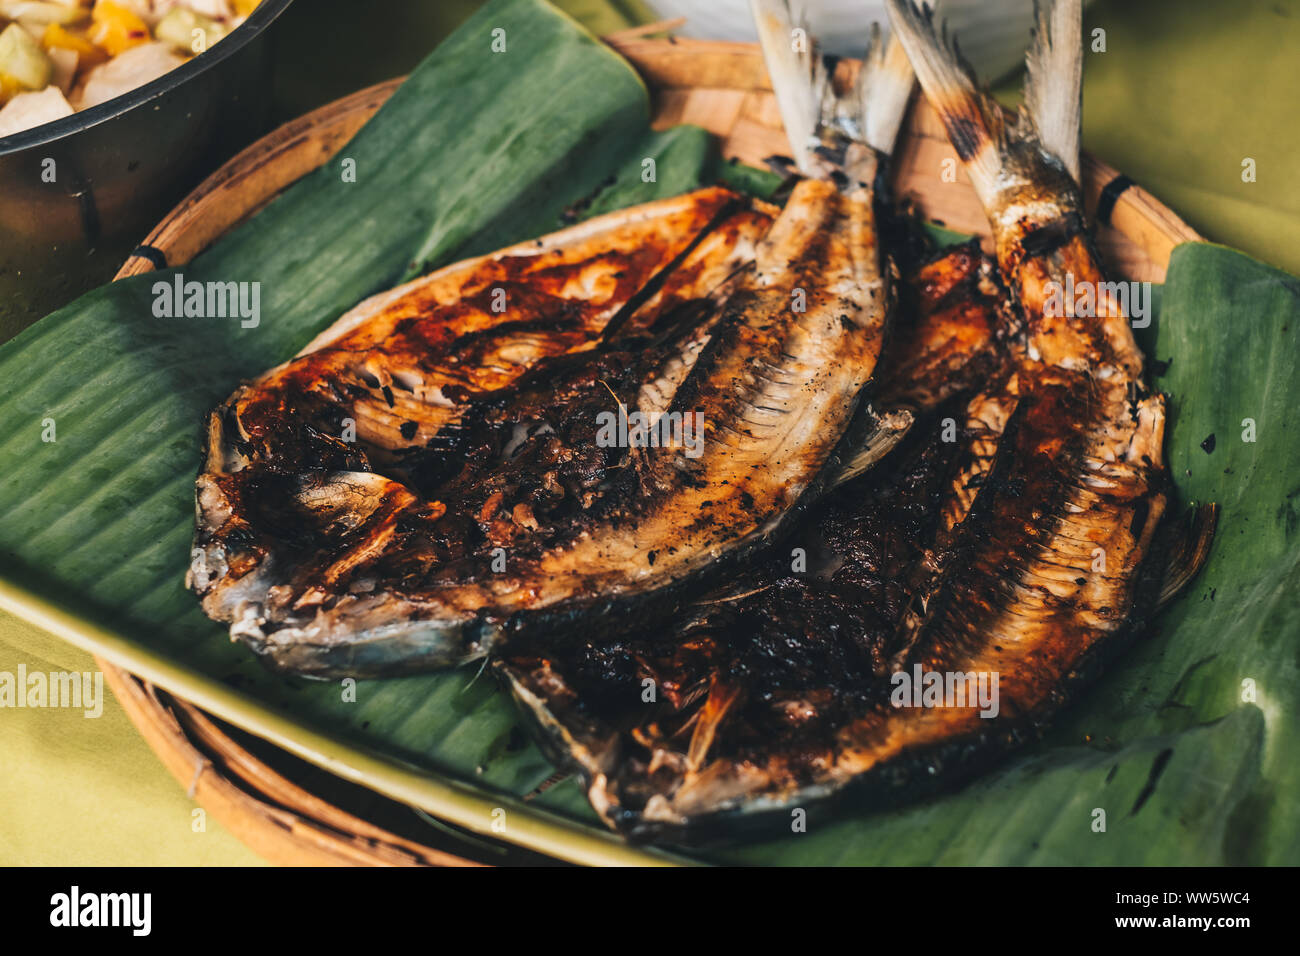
x: 1186, y: 90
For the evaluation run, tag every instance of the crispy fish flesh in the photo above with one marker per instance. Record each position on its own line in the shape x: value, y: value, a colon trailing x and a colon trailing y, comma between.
x: 754, y: 688
x: 468, y: 502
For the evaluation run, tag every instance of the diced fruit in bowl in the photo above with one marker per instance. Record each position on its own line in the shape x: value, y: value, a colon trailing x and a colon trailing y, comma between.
x: 32, y: 109
x: 136, y: 67
x: 116, y: 28
x: 22, y: 60
x: 186, y: 30
x: 90, y: 51
x: 58, y: 37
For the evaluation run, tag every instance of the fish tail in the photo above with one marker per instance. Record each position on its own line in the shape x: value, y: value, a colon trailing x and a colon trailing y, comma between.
x: 793, y: 65
x: 1041, y: 145
x: 1026, y: 172
x: 1054, y: 83
x: 884, y: 86
x: 825, y: 123
x: 974, y: 123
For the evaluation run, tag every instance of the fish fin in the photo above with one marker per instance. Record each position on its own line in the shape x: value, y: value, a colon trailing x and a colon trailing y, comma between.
x: 1188, y: 550
x: 792, y: 63
x: 734, y: 592
x: 721, y: 696
x: 869, y: 112
x: 889, y: 428
x: 975, y: 123
x: 1054, y: 84
x: 883, y: 88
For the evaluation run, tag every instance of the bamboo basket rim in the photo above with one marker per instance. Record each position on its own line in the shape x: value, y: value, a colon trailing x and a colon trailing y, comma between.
x: 281, y: 820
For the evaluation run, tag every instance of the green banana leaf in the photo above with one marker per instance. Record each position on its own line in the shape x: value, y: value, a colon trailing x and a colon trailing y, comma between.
x: 1187, y: 747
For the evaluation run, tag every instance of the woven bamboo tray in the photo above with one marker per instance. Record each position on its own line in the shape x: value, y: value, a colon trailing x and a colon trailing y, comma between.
x: 292, y: 813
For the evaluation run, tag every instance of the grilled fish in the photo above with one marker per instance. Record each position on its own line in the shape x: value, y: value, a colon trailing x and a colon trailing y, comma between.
x: 952, y: 602
x: 740, y: 706
x: 400, y: 371
x: 1051, y: 570
x: 483, y: 493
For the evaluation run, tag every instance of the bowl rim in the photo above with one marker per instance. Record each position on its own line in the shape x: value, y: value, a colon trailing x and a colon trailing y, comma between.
x: 261, y: 18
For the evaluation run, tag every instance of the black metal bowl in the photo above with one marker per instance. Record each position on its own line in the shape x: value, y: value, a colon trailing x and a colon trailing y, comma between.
x: 77, y: 194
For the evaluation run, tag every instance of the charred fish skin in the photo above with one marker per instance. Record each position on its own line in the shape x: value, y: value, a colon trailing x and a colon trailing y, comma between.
x: 776, y: 386
x: 1026, y: 176
x: 818, y: 731
x: 941, y: 346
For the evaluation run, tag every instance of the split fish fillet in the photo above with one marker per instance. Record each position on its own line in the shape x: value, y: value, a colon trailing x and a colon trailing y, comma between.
x: 439, y: 472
